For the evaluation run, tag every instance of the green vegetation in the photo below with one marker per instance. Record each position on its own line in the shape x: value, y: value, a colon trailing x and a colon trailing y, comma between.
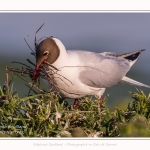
x: 43, y: 115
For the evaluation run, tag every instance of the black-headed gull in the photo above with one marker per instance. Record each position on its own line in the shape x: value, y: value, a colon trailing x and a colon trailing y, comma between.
x: 87, y: 73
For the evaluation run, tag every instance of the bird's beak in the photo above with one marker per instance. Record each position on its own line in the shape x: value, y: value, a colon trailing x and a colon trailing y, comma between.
x: 38, y: 64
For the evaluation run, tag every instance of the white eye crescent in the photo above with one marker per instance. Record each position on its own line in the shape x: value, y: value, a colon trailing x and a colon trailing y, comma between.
x: 45, y: 53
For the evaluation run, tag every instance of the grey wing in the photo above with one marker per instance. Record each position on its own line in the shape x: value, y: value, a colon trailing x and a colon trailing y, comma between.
x: 102, y: 71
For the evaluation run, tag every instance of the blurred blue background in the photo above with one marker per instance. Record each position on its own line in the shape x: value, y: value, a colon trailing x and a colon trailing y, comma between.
x: 98, y: 32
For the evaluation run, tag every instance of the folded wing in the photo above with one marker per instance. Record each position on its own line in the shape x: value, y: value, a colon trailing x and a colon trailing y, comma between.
x: 105, y: 69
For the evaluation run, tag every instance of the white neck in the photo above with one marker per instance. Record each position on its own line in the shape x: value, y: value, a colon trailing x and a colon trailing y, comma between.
x: 62, y: 56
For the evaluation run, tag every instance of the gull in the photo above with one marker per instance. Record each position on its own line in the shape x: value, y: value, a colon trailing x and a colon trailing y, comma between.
x: 82, y: 73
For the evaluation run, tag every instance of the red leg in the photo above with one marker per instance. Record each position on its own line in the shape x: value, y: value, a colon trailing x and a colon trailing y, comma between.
x: 76, y: 102
x: 101, y: 99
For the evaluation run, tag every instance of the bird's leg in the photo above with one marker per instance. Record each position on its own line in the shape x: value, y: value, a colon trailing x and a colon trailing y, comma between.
x: 99, y: 105
x: 76, y: 102
x: 100, y: 99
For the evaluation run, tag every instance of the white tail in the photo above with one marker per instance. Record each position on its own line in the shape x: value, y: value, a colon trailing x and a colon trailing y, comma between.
x: 133, y: 82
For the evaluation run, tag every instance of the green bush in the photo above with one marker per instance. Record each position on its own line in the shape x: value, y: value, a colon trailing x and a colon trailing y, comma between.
x: 43, y: 115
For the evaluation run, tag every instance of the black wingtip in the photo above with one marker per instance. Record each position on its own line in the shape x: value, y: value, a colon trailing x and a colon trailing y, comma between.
x: 134, y: 56
x: 142, y: 50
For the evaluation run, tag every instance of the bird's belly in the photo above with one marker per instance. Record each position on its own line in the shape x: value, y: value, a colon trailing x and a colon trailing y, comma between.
x: 73, y: 88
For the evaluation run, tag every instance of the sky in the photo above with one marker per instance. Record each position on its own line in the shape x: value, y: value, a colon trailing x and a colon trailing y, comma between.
x: 98, y: 32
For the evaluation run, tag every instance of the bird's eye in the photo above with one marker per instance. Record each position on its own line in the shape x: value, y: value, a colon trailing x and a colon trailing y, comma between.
x: 45, y: 53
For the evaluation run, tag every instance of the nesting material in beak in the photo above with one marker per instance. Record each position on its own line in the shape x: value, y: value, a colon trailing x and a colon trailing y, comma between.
x: 35, y: 73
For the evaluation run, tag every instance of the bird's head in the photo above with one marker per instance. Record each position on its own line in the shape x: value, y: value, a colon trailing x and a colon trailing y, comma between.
x: 46, y: 51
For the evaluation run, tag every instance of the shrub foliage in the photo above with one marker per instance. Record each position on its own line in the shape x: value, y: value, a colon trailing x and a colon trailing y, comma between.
x: 44, y: 115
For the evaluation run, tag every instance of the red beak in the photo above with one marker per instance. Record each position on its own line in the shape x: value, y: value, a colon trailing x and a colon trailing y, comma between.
x: 35, y: 73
